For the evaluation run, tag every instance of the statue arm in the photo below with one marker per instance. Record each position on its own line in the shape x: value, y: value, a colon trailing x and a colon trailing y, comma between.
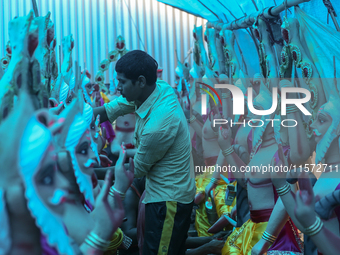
x: 87, y: 250
x: 326, y: 242
x: 288, y: 202
x: 298, y: 141
x: 233, y: 160
x: 197, y: 127
x: 277, y: 219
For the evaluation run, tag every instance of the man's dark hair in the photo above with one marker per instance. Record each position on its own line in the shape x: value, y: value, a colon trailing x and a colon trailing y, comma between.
x: 136, y: 63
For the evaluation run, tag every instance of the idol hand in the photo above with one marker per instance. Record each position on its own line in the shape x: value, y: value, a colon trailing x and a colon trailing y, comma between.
x: 216, y: 126
x: 305, y: 202
x: 104, y: 160
x: 123, y: 177
x: 260, y: 247
x: 224, y: 137
x: 107, y: 219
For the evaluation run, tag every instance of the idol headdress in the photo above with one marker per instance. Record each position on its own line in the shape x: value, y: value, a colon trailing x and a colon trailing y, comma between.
x: 60, y: 90
x: 196, y: 71
x: 72, y: 83
x: 322, y: 42
x: 67, y: 44
x: 88, y: 113
x: 198, y: 36
x: 210, y: 38
x: 231, y: 62
x: 74, y: 128
x: 84, y: 82
x: 183, y: 71
x: 29, y: 140
x: 23, y: 35
x: 46, y: 35
x: 332, y: 108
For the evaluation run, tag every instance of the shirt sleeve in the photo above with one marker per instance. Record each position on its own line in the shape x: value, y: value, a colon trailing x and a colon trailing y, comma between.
x: 118, y: 107
x: 152, y: 147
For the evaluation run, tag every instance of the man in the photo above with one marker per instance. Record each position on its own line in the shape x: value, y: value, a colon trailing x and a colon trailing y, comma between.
x: 162, y: 140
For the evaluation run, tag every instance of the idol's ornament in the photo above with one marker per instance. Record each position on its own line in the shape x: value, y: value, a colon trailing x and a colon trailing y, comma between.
x: 119, y: 51
x: 231, y: 63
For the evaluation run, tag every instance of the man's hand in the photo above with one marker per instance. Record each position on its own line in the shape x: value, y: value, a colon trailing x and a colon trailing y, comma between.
x: 260, y: 248
x: 215, y: 246
x: 222, y: 235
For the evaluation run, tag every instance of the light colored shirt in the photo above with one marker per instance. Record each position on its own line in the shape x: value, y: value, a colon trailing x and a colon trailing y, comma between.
x: 162, y: 139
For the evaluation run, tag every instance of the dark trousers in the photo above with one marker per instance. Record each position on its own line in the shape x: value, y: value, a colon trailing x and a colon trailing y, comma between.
x: 166, y: 228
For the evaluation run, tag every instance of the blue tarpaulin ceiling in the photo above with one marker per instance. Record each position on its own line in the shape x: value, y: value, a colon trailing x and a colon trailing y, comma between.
x: 227, y: 10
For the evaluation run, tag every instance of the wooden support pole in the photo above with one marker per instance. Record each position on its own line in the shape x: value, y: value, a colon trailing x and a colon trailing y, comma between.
x: 249, y: 20
x: 35, y: 8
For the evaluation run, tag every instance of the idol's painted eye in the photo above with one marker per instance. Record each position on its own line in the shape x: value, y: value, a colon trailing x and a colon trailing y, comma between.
x: 47, y: 180
x: 69, y: 100
x: 321, y: 120
x: 83, y: 148
x: 46, y: 177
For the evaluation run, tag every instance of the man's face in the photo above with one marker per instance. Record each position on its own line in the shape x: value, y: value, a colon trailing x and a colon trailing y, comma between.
x: 129, y: 89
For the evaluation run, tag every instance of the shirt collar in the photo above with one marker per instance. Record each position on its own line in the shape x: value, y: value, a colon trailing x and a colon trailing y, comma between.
x: 143, y: 110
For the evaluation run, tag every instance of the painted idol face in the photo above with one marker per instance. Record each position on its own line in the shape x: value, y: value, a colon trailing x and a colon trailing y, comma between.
x: 45, y: 188
x: 321, y: 124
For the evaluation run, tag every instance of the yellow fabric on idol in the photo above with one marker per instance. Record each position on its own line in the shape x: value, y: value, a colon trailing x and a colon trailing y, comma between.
x: 105, y: 98
x: 201, y: 221
x: 243, y: 239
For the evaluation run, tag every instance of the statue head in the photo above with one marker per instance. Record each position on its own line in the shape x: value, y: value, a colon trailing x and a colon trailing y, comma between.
x: 77, y: 151
x: 60, y: 91
x: 30, y: 162
x: 326, y: 126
